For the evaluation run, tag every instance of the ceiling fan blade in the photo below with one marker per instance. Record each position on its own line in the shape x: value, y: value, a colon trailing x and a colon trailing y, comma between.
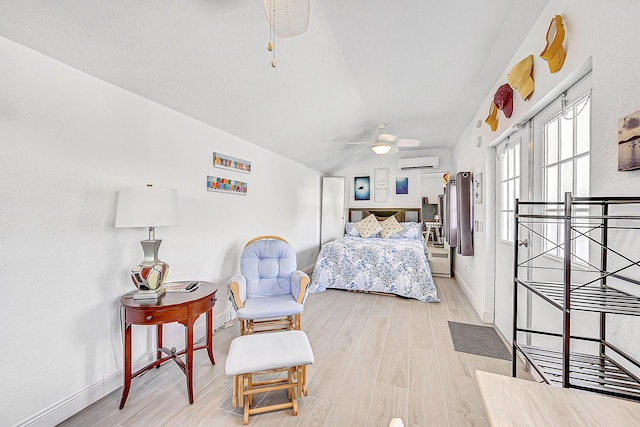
x: 359, y: 142
x: 408, y: 142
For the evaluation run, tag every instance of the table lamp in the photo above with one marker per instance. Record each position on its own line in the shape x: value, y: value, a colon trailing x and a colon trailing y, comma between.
x: 149, y: 207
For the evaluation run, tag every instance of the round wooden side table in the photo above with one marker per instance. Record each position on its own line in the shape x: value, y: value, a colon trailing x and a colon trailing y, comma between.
x: 181, y: 307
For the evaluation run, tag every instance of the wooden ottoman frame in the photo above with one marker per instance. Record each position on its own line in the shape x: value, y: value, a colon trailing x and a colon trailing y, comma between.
x: 278, y: 352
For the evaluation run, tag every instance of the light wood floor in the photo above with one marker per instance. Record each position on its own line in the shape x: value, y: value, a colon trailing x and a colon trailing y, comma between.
x: 376, y: 357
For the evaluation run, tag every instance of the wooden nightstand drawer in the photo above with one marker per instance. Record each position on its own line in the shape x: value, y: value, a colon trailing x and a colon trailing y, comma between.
x: 204, y: 305
x: 157, y: 317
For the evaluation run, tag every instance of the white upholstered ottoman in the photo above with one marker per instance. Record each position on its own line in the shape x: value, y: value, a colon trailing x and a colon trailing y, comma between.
x: 266, y: 353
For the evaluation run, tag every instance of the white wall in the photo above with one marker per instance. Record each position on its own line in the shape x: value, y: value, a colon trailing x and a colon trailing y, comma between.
x: 411, y: 200
x: 432, y: 186
x: 602, y: 32
x: 68, y: 143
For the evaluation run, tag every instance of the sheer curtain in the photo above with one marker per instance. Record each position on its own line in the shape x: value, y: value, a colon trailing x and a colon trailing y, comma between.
x: 450, y: 221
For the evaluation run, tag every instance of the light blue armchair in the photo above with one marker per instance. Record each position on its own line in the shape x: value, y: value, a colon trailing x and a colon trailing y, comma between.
x: 269, y: 293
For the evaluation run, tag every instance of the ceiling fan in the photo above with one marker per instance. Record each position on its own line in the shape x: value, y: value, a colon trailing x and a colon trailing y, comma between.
x: 386, y: 143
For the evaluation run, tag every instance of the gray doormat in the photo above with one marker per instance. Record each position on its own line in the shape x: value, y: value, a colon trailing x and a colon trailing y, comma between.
x: 477, y: 339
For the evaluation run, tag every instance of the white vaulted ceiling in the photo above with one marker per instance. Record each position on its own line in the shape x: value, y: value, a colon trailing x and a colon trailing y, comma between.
x: 422, y: 66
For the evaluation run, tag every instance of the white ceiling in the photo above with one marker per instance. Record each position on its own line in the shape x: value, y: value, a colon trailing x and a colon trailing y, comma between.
x: 422, y: 66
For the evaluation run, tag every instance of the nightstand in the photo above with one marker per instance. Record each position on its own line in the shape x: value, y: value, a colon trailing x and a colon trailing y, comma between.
x: 440, y: 260
x: 184, y: 308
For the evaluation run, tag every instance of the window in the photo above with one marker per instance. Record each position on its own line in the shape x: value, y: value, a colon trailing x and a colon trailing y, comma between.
x: 567, y: 141
x: 509, y: 188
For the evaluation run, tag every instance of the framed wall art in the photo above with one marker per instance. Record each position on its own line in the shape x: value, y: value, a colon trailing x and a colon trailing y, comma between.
x: 381, y: 178
x: 361, y: 188
x: 477, y: 188
x: 231, y: 163
x: 226, y: 185
x: 629, y: 142
x: 381, y: 183
x: 402, y: 185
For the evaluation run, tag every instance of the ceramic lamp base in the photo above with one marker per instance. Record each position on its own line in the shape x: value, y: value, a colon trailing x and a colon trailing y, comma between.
x: 151, y: 273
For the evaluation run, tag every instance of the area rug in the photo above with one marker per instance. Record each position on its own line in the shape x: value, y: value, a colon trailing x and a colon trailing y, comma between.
x: 477, y: 339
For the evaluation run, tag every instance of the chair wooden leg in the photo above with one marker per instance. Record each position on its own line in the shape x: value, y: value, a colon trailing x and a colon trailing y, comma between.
x: 247, y: 387
x: 304, y: 380
x: 295, y: 322
x: 301, y: 373
x: 234, y: 400
x: 246, y: 326
x: 294, y: 398
x: 249, y: 328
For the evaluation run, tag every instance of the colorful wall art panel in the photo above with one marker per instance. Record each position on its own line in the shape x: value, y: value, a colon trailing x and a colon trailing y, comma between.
x: 227, y: 162
x: 226, y: 185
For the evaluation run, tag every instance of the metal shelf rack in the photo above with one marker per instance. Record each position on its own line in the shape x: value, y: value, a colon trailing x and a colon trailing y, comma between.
x: 584, y: 261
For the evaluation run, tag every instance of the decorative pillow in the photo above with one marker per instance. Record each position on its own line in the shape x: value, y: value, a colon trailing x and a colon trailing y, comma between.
x: 390, y: 226
x: 368, y: 226
x: 351, y: 230
x: 411, y: 230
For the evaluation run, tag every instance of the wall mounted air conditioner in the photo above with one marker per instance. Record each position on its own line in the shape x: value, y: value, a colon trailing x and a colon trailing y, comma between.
x: 418, y: 163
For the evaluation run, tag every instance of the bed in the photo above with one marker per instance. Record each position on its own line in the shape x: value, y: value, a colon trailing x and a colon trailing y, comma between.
x: 397, y: 264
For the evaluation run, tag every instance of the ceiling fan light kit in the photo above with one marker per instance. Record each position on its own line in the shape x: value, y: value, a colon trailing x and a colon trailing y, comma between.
x: 381, y: 148
x: 386, y: 143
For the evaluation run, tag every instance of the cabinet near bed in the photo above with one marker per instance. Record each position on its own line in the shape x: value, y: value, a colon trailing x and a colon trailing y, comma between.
x: 440, y: 260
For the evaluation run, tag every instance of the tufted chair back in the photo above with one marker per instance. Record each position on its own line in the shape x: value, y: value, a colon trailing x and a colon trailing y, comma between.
x: 267, y: 264
x: 269, y: 292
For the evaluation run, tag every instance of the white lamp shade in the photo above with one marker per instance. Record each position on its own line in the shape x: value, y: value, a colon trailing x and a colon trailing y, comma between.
x: 147, y: 206
x: 381, y: 149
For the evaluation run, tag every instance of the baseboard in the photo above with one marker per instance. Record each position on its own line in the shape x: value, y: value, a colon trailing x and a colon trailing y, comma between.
x: 504, y: 339
x: 65, y: 408
x: 309, y: 269
x: 485, y: 316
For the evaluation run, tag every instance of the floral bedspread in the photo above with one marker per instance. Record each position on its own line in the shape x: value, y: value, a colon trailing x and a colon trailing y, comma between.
x: 394, y: 266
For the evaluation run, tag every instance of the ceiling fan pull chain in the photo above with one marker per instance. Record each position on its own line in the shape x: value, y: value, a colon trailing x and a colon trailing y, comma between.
x: 270, y: 44
x: 273, y: 32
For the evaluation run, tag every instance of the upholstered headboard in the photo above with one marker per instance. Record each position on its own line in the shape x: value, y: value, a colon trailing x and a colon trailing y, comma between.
x: 401, y: 214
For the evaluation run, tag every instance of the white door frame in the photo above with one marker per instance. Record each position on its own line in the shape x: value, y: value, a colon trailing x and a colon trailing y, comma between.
x: 332, y: 209
x: 503, y: 259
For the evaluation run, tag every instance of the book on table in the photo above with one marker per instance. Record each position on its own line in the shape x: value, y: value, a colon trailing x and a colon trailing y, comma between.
x: 181, y: 286
x: 150, y: 294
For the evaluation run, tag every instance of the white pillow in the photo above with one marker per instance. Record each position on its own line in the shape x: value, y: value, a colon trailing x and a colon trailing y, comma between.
x: 390, y: 226
x: 411, y: 230
x: 368, y: 226
x: 351, y: 230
